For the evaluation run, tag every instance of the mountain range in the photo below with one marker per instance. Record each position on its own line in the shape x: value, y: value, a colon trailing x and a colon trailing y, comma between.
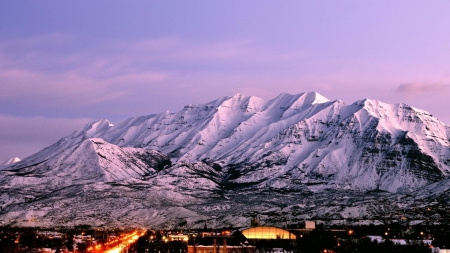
x: 285, y: 160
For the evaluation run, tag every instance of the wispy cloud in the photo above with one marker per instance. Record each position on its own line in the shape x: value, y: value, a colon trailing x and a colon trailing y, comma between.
x: 35, y: 69
x: 71, y: 86
x: 178, y: 50
x: 116, y: 77
x: 41, y: 41
x: 418, y: 88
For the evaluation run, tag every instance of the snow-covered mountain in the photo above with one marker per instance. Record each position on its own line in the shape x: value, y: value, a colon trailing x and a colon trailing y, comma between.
x: 9, y: 161
x: 293, y: 157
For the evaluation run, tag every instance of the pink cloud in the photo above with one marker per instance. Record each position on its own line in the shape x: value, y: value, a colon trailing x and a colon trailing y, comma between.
x: 176, y: 67
x: 72, y: 86
x: 413, y: 89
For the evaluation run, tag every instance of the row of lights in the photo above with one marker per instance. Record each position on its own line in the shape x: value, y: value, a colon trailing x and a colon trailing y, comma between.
x: 128, y: 239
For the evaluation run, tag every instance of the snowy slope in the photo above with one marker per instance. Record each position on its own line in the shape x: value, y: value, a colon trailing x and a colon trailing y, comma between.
x: 288, y: 152
x: 9, y: 162
x: 89, y: 161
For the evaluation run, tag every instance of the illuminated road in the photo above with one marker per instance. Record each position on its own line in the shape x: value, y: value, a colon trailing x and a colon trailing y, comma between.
x: 117, y: 245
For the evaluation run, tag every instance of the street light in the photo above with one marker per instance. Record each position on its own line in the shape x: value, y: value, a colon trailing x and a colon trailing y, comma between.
x: 195, y: 249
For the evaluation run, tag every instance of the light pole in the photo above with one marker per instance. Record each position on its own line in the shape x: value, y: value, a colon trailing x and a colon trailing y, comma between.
x: 195, y: 249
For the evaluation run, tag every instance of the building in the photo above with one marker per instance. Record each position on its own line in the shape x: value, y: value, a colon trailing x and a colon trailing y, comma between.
x: 236, y: 243
x: 101, y: 235
x: 310, y: 225
x: 267, y: 232
x: 178, y: 237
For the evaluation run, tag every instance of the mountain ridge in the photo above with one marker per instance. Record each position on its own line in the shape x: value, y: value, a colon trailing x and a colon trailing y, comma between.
x: 209, y: 155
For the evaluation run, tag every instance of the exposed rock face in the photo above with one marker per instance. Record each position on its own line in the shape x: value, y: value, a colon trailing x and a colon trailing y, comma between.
x: 293, y: 157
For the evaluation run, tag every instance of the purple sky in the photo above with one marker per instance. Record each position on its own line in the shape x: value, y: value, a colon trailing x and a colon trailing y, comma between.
x: 64, y: 63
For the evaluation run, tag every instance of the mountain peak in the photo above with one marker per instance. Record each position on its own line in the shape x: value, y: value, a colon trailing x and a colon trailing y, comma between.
x: 297, y: 101
x: 96, y: 127
x: 315, y: 98
x: 9, y: 161
x: 238, y: 96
